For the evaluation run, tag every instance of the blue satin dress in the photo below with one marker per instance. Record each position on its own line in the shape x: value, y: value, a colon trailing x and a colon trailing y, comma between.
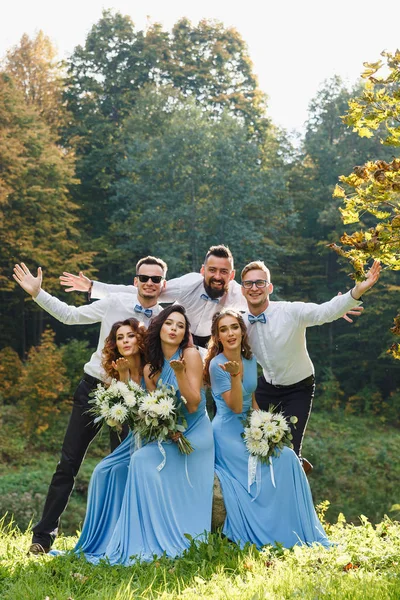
x: 264, y: 513
x: 156, y: 508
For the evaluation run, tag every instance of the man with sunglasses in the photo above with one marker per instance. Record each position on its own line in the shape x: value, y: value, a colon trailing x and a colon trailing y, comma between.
x: 277, y: 335
x: 142, y: 305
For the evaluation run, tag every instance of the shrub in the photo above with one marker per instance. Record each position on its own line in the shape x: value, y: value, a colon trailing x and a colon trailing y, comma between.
x: 42, y: 386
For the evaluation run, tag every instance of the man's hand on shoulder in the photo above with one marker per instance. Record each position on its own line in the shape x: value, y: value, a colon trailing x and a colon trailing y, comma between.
x: 75, y: 283
x: 31, y: 284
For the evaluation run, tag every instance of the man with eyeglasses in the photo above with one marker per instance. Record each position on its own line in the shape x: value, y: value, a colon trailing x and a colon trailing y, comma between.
x: 277, y: 335
x: 142, y: 305
x: 202, y: 294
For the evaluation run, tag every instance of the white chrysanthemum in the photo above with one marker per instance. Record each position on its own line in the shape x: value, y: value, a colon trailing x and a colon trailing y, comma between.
x: 256, y: 418
x: 247, y: 432
x: 253, y: 446
x: 264, y: 448
x: 166, y: 407
x: 256, y: 433
x: 104, y: 410
x: 266, y: 416
x: 270, y: 429
x: 281, y: 422
x: 118, y: 412
x: 134, y: 387
x: 121, y: 386
x: 112, y: 422
x: 130, y: 399
x: 148, y: 403
x: 113, y: 388
x: 154, y: 410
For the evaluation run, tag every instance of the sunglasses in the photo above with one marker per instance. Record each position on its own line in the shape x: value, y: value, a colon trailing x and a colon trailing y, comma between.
x: 154, y: 278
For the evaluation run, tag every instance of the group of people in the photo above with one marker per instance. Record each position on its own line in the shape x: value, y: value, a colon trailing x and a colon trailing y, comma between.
x: 214, y: 333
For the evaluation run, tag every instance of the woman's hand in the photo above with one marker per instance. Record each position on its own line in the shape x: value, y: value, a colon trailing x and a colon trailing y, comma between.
x: 122, y: 366
x: 231, y: 366
x: 175, y: 436
x: 179, y: 366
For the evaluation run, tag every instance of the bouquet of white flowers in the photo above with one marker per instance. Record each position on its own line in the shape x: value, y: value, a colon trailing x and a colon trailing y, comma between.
x: 266, y: 432
x: 159, y: 415
x: 116, y: 404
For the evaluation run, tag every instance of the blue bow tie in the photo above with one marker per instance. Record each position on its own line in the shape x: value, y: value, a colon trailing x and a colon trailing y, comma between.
x: 205, y: 297
x: 260, y: 319
x: 146, y: 311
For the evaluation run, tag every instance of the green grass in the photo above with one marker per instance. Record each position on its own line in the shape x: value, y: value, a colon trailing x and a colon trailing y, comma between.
x: 365, y: 564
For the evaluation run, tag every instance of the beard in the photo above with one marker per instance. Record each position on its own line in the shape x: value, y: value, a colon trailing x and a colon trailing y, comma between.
x: 211, y: 292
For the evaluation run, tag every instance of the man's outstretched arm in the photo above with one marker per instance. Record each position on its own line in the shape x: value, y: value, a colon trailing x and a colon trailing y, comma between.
x: 317, y: 314
x: 70, y: 315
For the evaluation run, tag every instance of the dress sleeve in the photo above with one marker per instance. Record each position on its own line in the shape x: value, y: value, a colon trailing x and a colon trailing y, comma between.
x: 220, y: 379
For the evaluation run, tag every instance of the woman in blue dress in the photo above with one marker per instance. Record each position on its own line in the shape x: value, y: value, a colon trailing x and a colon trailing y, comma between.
x: 168, y: 494
x: 122, y: 359
x: 269, y: 504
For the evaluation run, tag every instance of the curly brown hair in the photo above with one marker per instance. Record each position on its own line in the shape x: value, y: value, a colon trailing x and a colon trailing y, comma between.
x: 110, y: 351
x: 214, y: 345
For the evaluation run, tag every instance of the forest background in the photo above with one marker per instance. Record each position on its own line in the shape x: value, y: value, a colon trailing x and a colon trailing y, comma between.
x: 159, y: 142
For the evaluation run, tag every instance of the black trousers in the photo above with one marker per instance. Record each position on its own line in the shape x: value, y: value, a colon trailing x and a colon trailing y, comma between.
x: 80, y: 432
x: 293, y: 400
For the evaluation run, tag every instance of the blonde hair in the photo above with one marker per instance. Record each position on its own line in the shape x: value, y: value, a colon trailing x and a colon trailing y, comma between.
x: 256, y: 265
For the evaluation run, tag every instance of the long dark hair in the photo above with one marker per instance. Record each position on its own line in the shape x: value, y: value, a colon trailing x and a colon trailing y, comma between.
x: 154, y: 353
x: 214, y: 345
x: 110, y: 351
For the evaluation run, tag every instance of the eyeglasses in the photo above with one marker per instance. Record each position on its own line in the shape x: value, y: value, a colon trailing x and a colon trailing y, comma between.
x: 154, y: 278
x: 259, y: 283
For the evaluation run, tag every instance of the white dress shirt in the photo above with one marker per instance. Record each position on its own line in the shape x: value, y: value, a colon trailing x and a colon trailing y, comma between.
x: 108, y: 311
x: 279, y: 345
x: 186, y: 290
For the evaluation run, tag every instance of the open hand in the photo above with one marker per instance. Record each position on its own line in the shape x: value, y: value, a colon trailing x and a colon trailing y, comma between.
x: 121, y: 365
x: 231, y: 366
x: 75, y: 283
x: 31, y: 284
x: 355, y: 312
x: 178, y: 365
x: 371, y: 278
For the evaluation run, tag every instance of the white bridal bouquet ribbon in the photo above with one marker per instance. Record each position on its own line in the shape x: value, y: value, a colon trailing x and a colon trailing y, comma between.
x: 265, y: 434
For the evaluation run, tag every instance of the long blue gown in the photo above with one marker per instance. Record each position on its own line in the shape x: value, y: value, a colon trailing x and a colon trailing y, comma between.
x: 157, y: 507
x: 267, y: 514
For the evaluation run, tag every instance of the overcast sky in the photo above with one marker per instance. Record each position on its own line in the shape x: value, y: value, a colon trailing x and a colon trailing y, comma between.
x: 294, y: 44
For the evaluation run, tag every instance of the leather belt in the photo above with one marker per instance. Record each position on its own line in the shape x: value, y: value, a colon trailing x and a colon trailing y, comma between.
x: 307, y: 381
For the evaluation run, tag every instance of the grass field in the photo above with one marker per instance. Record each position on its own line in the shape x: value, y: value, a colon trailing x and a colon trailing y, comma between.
x: 363, y: 564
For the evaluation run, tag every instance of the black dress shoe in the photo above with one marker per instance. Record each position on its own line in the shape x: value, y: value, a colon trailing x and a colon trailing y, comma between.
x: 38, y: 549
x: 307, y: 466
